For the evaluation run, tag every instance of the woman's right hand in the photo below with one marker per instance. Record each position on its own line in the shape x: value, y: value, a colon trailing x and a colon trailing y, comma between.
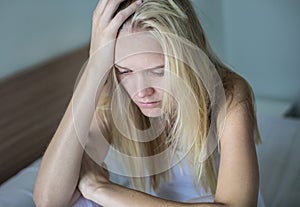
x: 104, y: 26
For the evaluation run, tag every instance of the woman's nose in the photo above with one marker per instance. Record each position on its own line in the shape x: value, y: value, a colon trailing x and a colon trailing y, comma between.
x: 145, y: 92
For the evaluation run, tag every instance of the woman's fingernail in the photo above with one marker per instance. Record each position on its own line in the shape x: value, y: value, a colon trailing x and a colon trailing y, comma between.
x: 138, y: 2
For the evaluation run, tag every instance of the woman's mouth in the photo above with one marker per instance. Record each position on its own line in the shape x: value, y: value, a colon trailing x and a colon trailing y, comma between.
x: 149, y: 104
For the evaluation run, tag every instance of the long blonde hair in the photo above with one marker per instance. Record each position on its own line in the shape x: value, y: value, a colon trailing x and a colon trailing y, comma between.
x: 179, y: 18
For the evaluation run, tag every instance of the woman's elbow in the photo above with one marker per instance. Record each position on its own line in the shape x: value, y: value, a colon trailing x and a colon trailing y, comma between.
x: 42, y: 199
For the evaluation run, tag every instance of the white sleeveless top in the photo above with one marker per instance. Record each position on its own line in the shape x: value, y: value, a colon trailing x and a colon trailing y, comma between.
x: 181, y: 188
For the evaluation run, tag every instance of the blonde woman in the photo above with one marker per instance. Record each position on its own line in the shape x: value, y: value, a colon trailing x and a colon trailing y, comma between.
x: 156, y: 119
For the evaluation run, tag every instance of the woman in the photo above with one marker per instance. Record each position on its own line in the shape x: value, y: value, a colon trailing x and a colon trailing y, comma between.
x: 177, y: 124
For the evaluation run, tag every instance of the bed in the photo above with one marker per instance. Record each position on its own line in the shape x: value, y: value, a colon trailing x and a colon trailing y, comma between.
x: 34, y: 101
x: 278, y: 158
x: 32, y: 104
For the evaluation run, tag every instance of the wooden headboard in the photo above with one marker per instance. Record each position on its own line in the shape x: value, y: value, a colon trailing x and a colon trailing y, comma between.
x: 31, y: 106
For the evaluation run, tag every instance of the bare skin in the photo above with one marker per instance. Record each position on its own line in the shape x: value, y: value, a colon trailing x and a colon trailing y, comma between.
x: 238, y: 172
x: 61, y: 172
x: 238, y: 178
x: 58, y: 176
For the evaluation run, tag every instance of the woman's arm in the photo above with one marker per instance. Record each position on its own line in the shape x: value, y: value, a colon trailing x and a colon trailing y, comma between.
x: 57, y: 179
x: 238, y: 179
x: 116, y: 195
x: 59, y: 170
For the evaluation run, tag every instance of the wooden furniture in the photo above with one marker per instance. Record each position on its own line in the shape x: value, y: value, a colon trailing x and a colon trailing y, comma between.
x: 32, y: 104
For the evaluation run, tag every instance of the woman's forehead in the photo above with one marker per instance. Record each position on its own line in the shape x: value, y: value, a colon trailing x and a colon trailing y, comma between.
x: 137, y: 45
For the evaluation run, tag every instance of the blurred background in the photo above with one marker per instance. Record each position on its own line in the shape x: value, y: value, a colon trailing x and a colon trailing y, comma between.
x: 44, y: 43
x: 258, y: 38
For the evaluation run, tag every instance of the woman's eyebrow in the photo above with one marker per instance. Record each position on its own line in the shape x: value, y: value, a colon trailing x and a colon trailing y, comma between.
x: 156, y: 67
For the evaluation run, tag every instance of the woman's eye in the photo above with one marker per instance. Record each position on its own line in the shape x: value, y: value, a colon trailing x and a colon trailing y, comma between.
x: 123, y: 72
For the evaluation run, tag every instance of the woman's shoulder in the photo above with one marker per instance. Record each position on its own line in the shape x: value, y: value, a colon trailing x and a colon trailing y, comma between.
x: 238, y: 91
x: 240, y: 99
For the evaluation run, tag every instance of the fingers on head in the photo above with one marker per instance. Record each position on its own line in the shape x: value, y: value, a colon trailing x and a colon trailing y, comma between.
x: 110, y: 9
x: 121, y: 16
x: 100, y: 7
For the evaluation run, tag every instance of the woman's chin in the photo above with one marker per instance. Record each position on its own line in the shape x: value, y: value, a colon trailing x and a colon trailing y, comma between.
x: 152, y: 112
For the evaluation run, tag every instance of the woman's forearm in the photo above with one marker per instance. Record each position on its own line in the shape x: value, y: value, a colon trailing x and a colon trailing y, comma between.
x: 116, y: 195
x: 59, y: 171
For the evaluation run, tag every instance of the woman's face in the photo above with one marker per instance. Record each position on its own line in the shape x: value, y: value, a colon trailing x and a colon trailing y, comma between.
x: 139, y: 64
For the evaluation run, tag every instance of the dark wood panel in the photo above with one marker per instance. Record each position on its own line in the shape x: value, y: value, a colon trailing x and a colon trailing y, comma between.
x: 32, y: 103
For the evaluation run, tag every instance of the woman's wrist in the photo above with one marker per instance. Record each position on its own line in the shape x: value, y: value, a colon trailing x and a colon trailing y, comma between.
x: 101, y: 195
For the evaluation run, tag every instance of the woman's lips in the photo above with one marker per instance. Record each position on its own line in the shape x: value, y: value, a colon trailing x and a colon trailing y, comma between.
x: 149, y: 104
